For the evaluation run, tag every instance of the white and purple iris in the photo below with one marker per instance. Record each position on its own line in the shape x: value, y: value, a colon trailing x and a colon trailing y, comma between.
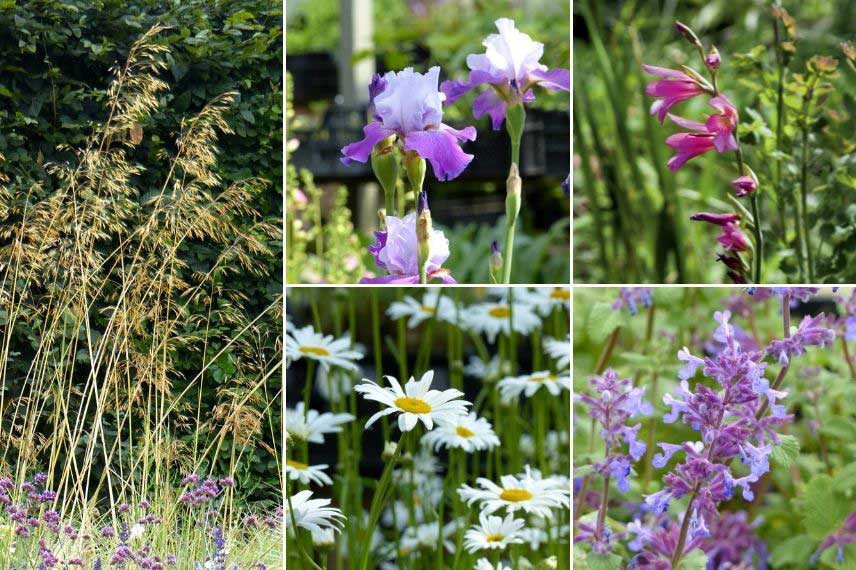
x: 511, y: 66
x: 396, y: 251
x: 408, y: 105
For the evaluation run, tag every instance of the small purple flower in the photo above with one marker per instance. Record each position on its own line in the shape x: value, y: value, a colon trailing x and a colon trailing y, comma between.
x: 809, y: 333
x: 409, y: 106
x: 716, y: 219
x: 510, y: 65
x: 631, y: 297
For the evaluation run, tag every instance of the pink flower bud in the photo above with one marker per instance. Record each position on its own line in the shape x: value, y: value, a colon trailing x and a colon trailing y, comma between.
x: 744, y: 185
x: 717, y: 219
x: 712, y: 59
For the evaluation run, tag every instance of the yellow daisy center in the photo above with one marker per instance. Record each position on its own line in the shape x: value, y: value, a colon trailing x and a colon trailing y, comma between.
x: 543, y: 378
x: 494, y: 537
x: 316, y: 350
x: 296, y: 464
x: 499, y: 312
x: 560, y: 294
x: 413, y: 405
x: 464, y: 432
x: 427, y: 309
x: 515, y: 495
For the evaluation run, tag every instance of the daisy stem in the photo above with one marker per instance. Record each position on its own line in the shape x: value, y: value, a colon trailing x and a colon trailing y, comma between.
x: 378, y: 501
x: 540, y: 428
x: 307, y: 393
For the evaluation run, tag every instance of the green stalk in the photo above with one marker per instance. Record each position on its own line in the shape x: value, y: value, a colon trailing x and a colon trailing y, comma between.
x: 378, y: 501
x: 515, y: 120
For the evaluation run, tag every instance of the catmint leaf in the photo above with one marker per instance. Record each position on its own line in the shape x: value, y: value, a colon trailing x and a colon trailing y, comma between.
x: 604, y: 561
x: 787, y: 451
x: 603, y: 319
x: 839, y: 428
x: 695, y: 560
x: 795, y: 550
x: 824, y: 508
x: 845, y: 480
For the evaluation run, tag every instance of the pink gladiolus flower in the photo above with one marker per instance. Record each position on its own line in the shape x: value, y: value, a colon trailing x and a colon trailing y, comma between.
x: 744, y: 185
x: 712, y: 59
x: 732, y: 239
x: 717, y: 219
x: 717, y: 133
x: 724, y: 124
x: 675, y: 87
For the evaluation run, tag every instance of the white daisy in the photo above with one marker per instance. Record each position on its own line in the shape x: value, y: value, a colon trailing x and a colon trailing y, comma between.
x: 297, y: 471
x: 325, y: 538
x: 466, y: 432
x: 313, y: 426
x: 415, y: 402
x: 534, y: 536
x: 559, y: 350
x: 493, y: 533
x: 430, y: 307
x: 425, y: 468
x: 306, y: 343
x: 313, y: 514
x: 426, y: 536
x: 533, y: 495
x: 544, y: 299
x: 485, y: 564
x: 494, y: 318
x: 334, y: 384
x: 510, y: 388
x: 488, y: 372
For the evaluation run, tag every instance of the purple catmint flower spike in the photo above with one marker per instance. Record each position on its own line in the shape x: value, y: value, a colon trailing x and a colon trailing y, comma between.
x: 615, y: 402
x: 632, y: 297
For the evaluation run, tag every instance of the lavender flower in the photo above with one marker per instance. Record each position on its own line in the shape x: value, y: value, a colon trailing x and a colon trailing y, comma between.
x: 510, y: 65
x: 809, y: 333
x: 732, y: 423
x: 617, y: 401
x: 839, y: 539
x: 632, y: 297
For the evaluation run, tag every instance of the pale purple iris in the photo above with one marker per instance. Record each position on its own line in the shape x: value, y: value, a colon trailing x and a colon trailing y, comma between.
x: 510, y: 65
x: 409, y: 106
x: 396, y: 252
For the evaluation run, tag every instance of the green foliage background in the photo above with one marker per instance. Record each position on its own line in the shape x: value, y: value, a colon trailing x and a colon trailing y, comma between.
x: 55, y: 61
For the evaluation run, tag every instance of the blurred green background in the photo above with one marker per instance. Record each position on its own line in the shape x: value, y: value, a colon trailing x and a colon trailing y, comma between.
x: 631, y: 214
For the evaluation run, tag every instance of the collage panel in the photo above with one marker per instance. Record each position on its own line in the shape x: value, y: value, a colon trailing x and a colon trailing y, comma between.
x: 714, y: 427
x: 713, y: 142
x: 141, y: 319
x: 428, y: 142
x: 428, y: 428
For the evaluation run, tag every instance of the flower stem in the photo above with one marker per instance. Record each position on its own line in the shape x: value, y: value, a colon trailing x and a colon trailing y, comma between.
x: 378, y: 501
x: 759, y: 240
x: 847, y: 357
x: 389, y: 198
x: 515, y: 119
x: 682, y: 537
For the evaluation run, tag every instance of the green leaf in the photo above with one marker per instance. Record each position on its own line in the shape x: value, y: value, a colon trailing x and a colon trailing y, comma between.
x: 696, y: 560
x: 795, y: 550
x: 824, y: 509
x: 787, y: 451
x: 604, y: 561
x: 603, y: 319
x: 845, y: 480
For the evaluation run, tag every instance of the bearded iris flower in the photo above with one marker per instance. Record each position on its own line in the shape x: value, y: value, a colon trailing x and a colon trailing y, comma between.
x: 407, y: 106
x: 510, y: 65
